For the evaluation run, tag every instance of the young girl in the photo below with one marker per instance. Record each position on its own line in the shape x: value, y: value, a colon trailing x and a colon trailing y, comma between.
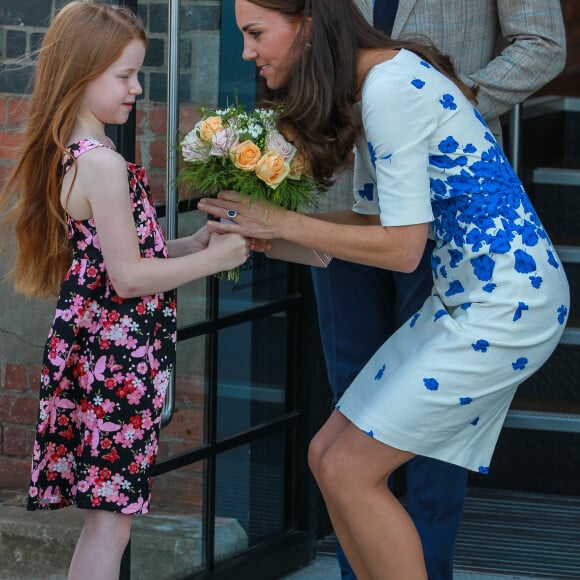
x: 426, y: 165
x: 84, y: 215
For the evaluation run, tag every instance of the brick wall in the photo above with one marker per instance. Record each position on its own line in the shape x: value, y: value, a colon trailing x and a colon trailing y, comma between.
x: 24, y: 324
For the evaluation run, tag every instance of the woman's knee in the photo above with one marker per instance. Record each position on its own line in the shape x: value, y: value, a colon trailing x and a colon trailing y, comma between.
x: 316, y: 451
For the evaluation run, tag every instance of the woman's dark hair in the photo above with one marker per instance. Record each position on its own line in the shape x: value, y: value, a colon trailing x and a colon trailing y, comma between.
x: 318, y: 113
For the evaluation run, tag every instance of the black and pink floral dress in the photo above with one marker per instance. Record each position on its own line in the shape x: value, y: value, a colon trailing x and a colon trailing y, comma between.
x: 106, y: 369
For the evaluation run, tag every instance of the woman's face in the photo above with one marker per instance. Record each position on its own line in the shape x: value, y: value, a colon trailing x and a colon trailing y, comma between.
x: 268, y: 37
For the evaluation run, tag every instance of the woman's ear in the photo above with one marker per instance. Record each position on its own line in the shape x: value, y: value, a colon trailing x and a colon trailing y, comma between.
x: 306, y: 28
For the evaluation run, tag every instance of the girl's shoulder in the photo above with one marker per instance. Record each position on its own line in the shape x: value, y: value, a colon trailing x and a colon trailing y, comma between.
x: 102, y: 154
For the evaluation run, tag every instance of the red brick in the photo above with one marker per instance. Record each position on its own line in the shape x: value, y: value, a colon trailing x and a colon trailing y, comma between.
x: 33, y: 376
x: 16, y: 112
x: 158, y: 152
x: 9, y: 143
x: 185, y: 426
x: 158, y: 120
x: 18, y: 441
x: 188, y: 117
x: 14, y: 473
x: 2, y: 111
x: 157, y: 184
x: 138, y: 157
x: 15, y: 378
x: 141, y: 122
x: 19, y: 409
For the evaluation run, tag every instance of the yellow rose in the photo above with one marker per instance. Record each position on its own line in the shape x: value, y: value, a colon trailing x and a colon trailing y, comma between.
x: 209, y: 127
x: 298, y: 166
x: 245, y: 155
x: 272, y: 169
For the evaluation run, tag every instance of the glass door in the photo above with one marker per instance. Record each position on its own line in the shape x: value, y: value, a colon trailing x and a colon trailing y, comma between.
x: 232, y: 495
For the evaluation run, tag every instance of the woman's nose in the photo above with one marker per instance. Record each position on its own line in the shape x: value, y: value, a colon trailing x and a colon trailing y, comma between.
x: 248, y: 53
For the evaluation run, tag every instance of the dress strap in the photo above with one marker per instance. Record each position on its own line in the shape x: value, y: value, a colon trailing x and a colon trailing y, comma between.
x: 76, y: 149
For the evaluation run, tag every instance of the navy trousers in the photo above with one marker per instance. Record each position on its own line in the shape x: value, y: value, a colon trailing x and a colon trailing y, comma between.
x: 358, y: 308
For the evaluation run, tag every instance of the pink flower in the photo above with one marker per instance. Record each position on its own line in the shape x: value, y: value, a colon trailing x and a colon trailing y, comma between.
x: 223, y: 141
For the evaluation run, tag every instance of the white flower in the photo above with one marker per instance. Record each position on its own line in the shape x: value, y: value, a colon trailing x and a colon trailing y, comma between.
x: 275, y: 142
x: 193, y: 148
x: 222, y: 142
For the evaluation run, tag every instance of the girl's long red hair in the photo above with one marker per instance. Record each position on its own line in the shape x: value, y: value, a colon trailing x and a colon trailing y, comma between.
x: 83, y: 40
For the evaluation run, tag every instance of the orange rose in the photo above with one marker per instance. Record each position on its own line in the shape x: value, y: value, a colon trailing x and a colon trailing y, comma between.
x: 298, y: 166
x: 272, y: 169
x: 245, y: 155
x: 209, y: 127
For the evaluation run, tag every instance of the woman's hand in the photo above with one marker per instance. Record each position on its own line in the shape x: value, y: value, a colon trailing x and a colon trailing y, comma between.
x: 251, y: 218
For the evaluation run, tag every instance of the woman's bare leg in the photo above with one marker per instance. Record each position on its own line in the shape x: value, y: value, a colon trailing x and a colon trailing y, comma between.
x: 374, y: 529
x: 319, y: 445
x: 100, y: 546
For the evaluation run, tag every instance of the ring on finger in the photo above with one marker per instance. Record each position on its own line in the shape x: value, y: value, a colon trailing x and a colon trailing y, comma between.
x: 232, y: 213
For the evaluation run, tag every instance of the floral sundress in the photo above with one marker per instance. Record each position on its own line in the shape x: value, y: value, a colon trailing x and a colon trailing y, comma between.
x: 105, y: 373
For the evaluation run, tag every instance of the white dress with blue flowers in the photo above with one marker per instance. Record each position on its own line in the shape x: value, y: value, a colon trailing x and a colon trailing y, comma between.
x: 442, y: 384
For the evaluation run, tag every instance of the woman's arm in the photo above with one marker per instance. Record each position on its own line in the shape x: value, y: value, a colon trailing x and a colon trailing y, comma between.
x: 356, y: 238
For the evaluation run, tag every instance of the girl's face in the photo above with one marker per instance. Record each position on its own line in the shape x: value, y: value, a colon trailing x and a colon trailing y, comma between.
x: 110, y: 97
x: 268, y: 37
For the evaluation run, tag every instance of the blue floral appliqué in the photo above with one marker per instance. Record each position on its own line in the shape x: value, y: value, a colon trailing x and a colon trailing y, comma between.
x: 370, y: 433
x: 536, y: 281
x: 418, y: 83
x: 414, y: 319
x: 465, y: 400
x: 456, y: 257
x: 441, y: 312
x: 480, y: 345
x: 484, y: 470
x: 520, y: 364
x: 380, y: 373
x: 448, y: 145
x: 448, y: 102
x: 562, y: 314
x: 431, y: 384
x: 455, y: 288
x: 367, y: 192
x: 475, y: 421
x: 552, y: 259
x: 521, y: 307
x: 483, y: 267
x: 425, y: 64
x: 524, y: 262
x: 372, y: 153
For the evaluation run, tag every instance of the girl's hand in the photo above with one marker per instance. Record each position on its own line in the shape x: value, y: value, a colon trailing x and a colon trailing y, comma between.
x: 200, y: 239
x: 231, y: 250
x: 251, y: 218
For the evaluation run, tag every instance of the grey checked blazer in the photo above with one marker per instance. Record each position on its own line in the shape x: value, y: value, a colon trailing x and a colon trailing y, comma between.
x: 473, y: 33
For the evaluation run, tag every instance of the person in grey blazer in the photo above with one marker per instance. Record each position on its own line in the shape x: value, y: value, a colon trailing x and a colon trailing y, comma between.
x: 508, y: 49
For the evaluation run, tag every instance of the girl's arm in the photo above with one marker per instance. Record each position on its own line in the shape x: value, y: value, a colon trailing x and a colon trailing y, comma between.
x: 353, y: 237
x: 102, y: 179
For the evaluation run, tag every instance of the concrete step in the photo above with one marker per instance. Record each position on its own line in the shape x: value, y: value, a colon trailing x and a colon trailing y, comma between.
x: 39, y: 545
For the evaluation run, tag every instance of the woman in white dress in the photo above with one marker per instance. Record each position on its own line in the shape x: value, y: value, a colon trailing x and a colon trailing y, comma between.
x: 426, y: 165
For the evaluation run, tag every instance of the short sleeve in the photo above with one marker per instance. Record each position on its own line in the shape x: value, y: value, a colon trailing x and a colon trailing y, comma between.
x: 398, y: 122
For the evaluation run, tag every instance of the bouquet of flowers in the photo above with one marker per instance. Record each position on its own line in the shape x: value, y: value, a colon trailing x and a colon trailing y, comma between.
x: 242, y: 151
